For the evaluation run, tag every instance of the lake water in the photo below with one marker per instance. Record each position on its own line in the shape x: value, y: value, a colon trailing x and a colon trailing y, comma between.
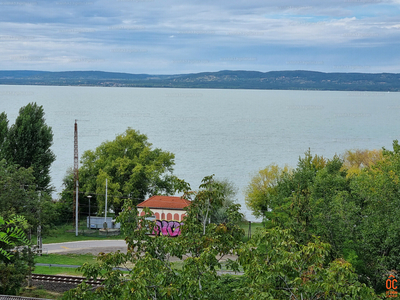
x: 229, y: 133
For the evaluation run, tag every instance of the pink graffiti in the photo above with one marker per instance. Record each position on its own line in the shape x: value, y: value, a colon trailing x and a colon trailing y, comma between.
x: 168, y: 228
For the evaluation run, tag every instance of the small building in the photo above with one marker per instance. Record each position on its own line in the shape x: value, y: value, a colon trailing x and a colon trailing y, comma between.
x: 165, y: 207
x: 98, y: 223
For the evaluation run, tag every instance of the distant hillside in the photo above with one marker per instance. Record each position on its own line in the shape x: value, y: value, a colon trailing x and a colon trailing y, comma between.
x: 277, y: 80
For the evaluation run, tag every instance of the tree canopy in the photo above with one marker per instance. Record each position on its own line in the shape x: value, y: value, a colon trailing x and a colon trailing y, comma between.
x: 28, y: 143
x: 133, y: 170
x: 357, y: 214
x: 261, y: 188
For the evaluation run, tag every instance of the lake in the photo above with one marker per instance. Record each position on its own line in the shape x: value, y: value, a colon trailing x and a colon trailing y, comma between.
x: 229, y: 133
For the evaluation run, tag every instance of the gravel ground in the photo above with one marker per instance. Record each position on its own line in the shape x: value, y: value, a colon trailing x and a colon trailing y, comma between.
x: 58, y: 287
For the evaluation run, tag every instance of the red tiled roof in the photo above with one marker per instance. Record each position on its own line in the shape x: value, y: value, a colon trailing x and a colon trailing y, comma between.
x: 165, y: 202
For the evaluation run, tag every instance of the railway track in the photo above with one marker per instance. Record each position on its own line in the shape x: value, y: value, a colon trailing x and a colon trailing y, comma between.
x: 66, y: 279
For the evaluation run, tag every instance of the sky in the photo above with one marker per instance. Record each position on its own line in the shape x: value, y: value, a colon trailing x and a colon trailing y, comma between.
x: 180, y: 37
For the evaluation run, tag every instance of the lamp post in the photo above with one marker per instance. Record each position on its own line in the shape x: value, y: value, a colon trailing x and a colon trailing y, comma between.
x: 90, y: 227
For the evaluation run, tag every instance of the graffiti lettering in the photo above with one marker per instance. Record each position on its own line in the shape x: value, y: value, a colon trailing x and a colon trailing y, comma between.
x: 168, y: 228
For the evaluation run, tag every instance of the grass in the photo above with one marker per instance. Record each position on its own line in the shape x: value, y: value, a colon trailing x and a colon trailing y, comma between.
x: 62, y: 259
x: 245, y: 226
x: 66, y: 233
x: 39, y: 293
x: 66, y: 259
x: 56, y: 271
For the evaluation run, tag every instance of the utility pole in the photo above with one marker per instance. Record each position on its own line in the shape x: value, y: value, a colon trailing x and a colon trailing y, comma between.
x: 76, y: 175
x: 89, y: 197
x: 39, y: 231
x: 105, y: 210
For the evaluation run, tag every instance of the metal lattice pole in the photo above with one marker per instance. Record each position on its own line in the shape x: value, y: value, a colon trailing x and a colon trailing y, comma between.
x: 76, y: 176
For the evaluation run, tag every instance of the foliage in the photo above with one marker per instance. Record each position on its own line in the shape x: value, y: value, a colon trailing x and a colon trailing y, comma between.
x: 355, y: 160
x: 209, y: 199
x: 277, y: 267
x: 18, y: 196
x: 229, y: 191
x: 132, y: 168
x: 3, y: 134
x: 378, y: 235
x: 65, y: 206
x: 13, y: 266
x: 11, y: 235
x: 352, y: 203
x: 262, y: 187
x: 28, y: 145
x: 289, y: 203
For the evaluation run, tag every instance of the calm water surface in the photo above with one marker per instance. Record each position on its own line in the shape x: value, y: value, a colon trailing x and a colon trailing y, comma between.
x: 229, y: 133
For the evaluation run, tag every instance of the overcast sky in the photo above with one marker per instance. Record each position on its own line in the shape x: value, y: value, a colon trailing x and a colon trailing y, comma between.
x: 176, y: 36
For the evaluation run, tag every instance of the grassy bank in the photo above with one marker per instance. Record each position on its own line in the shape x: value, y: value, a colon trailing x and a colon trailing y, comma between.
x: 65, y: 259
x: 250, y: 231
x: 40, y: 293
x: 62, y: 259
x: 66, y: 233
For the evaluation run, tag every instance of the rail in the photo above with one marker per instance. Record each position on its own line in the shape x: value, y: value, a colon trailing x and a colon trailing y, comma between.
x: 66, y: 279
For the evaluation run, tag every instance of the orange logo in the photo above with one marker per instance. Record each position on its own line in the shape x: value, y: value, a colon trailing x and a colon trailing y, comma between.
x: 391, y: 285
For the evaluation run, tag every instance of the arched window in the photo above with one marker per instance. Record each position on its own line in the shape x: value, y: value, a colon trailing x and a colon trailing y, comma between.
x: 169, y: 216
x: 162, y: 216
x: 176, y: 217
x: 157, y: 216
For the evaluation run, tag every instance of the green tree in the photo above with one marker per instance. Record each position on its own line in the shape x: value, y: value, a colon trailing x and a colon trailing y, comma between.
x: 376, y: 190
x: 65, y: 205
x: 262, y: 187
x: 19, y: 197
x: 15, y: 265
x: 133, y: 170
x: 357, y: 214
x: 229, y: 191
x: 290, y: 203
x: 28, y: 144
x: 3, y: 134
x: 334, y: 212
x: 314, y: 199
x: 355, y: 160
x: 277, y: 267
x: 209, y: 199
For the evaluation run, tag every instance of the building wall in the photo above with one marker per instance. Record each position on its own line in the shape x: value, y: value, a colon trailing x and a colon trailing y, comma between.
x: 166, y: 214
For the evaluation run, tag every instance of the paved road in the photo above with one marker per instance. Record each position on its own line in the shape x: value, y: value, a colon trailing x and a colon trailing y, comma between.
x: 86, y: 246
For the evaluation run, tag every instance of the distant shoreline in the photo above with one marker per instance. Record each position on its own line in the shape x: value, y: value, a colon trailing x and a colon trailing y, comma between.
x: 252, y: 80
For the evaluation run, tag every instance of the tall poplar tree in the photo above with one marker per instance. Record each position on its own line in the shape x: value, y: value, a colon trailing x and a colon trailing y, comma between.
x: 28, y: 144
x: 3, y: 134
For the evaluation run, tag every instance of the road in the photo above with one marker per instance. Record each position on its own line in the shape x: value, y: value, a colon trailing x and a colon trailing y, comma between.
x: 83, y: 247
